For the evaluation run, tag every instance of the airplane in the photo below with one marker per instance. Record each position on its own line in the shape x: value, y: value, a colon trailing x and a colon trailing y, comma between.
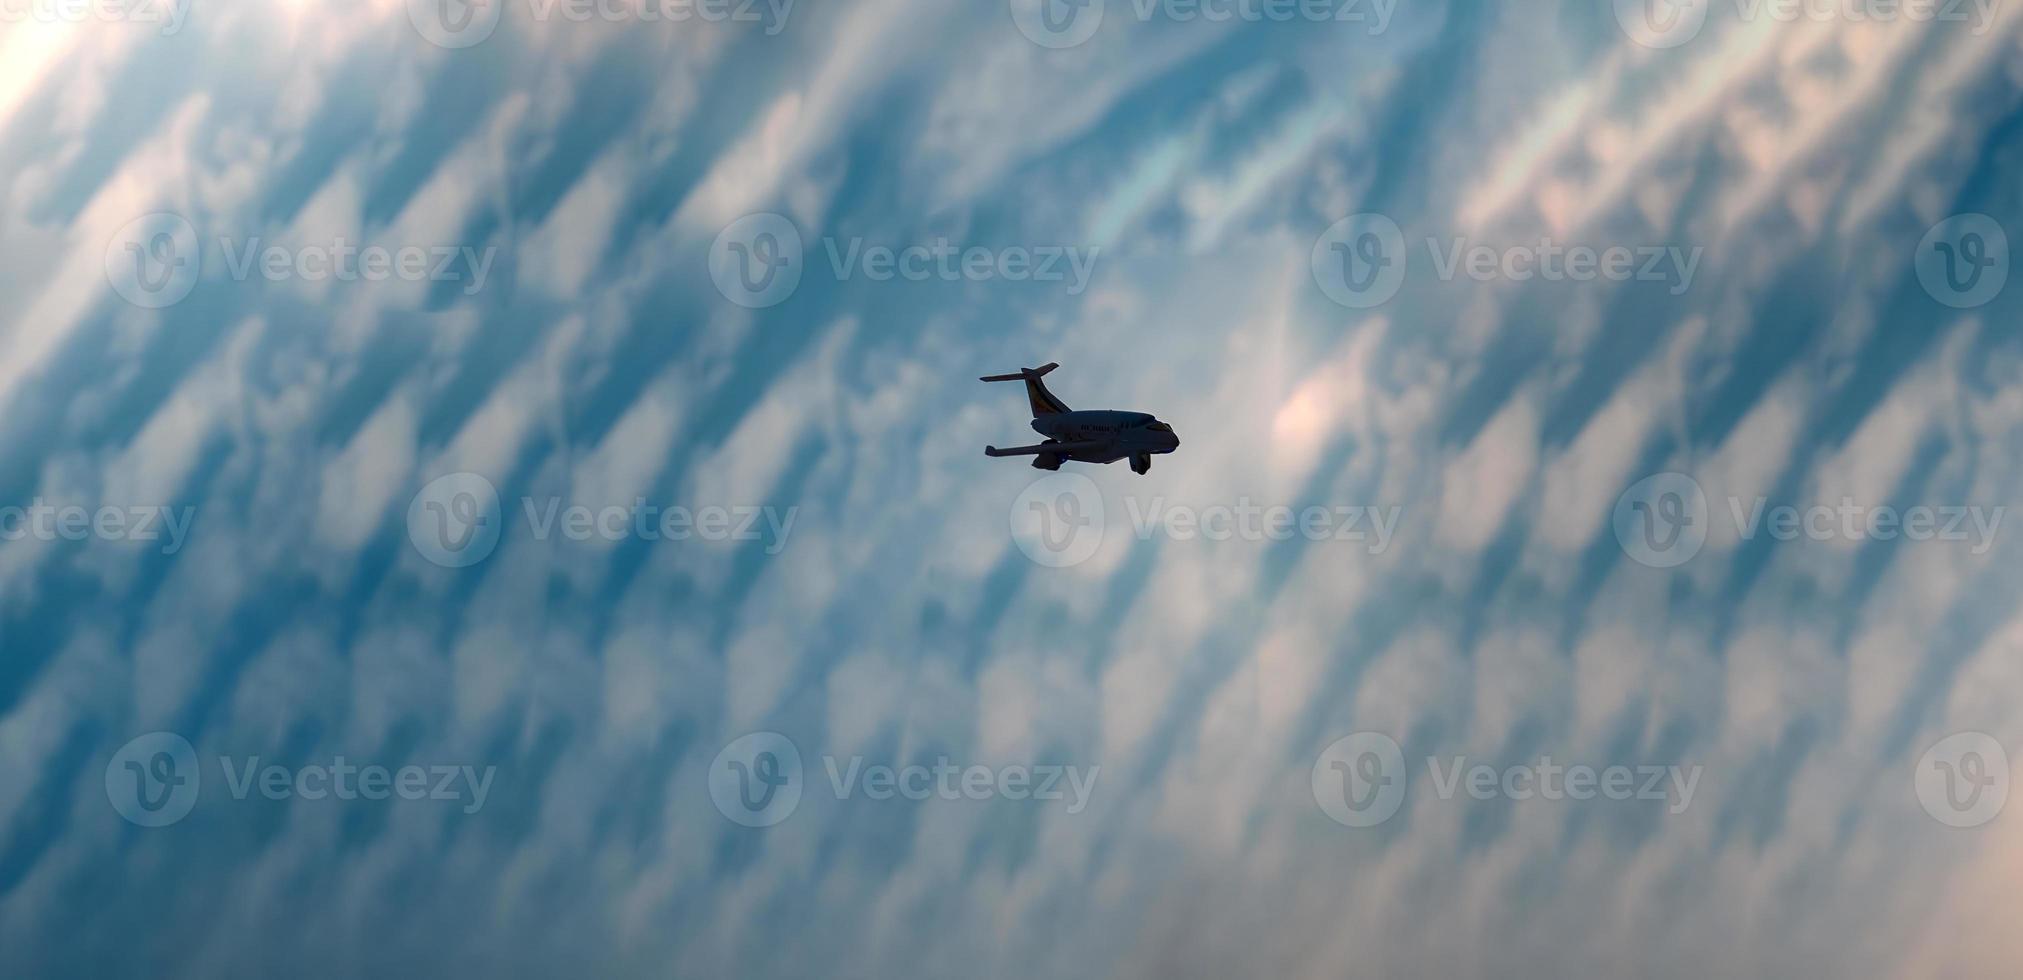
x: 1093, y: 436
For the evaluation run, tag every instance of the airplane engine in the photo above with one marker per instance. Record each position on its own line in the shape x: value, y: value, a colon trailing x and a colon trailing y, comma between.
x: 1141, y: 463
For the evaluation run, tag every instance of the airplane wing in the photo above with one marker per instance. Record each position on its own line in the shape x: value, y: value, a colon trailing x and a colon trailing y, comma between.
x: 1062, y: 448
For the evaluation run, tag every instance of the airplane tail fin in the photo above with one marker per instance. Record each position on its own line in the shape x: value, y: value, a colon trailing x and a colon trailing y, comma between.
x: 1044, y: 402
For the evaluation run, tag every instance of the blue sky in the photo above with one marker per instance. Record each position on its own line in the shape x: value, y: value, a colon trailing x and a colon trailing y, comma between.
x: 339, y: 283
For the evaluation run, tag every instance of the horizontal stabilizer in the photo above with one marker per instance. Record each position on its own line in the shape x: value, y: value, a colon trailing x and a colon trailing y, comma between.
x: 1038, y: 372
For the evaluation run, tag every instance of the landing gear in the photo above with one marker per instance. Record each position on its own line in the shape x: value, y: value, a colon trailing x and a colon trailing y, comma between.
x: 1141, y: 464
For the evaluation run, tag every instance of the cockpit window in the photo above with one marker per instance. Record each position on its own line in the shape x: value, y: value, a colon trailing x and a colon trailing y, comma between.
x: 1160, y: 427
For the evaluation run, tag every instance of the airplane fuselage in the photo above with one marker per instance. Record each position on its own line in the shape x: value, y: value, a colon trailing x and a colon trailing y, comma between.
x: 1122, y: 434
